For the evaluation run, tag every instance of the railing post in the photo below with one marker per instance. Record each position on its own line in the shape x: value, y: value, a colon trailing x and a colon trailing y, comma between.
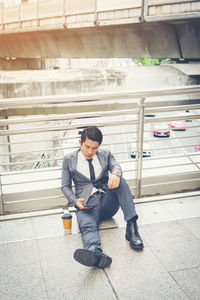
x: 1, y: 198
x: 2, y: 18
x: 9, y: 144
x: 95, y: 14
x: 20, y: 21
x: 144, y: 9
x: 140, y: 149
x: 63, y: 11
x: 38, y: 21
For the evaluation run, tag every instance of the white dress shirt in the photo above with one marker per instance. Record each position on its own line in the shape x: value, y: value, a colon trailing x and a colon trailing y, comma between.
x: 83, y: 167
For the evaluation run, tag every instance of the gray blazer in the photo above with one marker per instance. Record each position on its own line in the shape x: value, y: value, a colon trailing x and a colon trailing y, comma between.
x: 83, y: 185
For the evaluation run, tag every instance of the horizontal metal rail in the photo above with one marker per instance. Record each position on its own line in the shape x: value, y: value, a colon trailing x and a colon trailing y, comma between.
x: 98, y: 123
x: 96, y: 114
x: 91, y: 97
x: 170, y: 182
x: 50, y: 169
x: 23, y: 162
x: 61, y: 127
x: 69, y: 116
x: 104, y: 145
x: 61, y: 139
x: 34, y: 200
x: 127, y: 170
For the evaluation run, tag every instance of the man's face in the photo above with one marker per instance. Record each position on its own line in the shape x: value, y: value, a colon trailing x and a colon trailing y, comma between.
x: 89, y: 148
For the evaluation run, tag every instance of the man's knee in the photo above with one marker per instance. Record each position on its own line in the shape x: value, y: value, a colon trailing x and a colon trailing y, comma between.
x: 123, y: 183
x: 123, y: 187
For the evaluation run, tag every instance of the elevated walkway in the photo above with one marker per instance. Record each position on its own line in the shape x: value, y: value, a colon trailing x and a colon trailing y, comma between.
x: 37, y: 257
x: 101, y: 28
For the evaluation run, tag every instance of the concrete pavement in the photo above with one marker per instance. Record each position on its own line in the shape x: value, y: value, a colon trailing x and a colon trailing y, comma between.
x: 36, y: 257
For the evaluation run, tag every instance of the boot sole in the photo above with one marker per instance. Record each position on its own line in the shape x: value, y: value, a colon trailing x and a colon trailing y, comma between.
x: 90, y: 259
x: 86, y: 257
x: 137, y: 248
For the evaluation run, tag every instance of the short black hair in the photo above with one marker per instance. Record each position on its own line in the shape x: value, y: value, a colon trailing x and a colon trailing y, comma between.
x: 93, y: 133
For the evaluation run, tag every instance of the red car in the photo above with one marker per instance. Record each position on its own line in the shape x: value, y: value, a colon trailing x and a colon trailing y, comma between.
x: 178, y: 125
x: 161, y: 130
x: 197, y: 147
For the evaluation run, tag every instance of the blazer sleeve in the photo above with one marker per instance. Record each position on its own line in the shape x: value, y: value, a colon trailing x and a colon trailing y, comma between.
x: 113, y: 165
x: 66, y: 182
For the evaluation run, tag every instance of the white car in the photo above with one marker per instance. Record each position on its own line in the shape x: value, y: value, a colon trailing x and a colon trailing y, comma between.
x: 146, y: 150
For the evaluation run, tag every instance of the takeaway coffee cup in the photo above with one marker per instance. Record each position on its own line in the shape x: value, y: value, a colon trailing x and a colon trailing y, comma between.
x: 67, y: 221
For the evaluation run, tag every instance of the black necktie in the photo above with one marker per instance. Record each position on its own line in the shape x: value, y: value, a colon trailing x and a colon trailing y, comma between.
x: 91, y: 167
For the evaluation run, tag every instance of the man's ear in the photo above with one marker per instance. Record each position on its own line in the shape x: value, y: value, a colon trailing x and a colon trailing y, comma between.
x: 80, y: 142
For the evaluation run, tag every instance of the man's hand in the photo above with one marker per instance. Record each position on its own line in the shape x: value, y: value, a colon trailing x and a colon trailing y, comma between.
x: 79, y: 204
x: 113, y: 181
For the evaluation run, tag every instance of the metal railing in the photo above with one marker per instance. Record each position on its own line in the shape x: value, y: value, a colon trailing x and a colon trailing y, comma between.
x: 172, y: 164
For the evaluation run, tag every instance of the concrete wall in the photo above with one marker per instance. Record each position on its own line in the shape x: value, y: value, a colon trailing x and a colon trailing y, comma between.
x: 57, y: 82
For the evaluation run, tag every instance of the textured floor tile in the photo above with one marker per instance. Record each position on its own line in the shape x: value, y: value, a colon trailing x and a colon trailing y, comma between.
x: 18, y: 253
x: 189, y: 281
x: 115, y: 245
x: 67, y: 279
x: 145, y: 286
x: 153, y: 212
x: 74, y: 281
x: 137, y: 275
x: 193, y: 225
x: 183, y: 208
x: 47, y: 225
x: 24, y: 282
x: 15, y: 230
x: 58, y: 248
x: 174, y: 245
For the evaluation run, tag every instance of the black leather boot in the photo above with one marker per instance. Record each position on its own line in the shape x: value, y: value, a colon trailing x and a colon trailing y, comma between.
x: 132, y: 235
x: 95, y: 258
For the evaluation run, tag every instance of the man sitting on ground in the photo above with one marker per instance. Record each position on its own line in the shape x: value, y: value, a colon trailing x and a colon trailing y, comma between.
x: 100, y: 190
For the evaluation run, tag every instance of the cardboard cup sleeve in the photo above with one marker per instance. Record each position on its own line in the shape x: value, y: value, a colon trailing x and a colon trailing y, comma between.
x: 67, y: 221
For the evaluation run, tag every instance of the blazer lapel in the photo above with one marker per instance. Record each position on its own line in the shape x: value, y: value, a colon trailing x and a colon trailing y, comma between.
x: 102, y: 160
x: 74, y: 165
